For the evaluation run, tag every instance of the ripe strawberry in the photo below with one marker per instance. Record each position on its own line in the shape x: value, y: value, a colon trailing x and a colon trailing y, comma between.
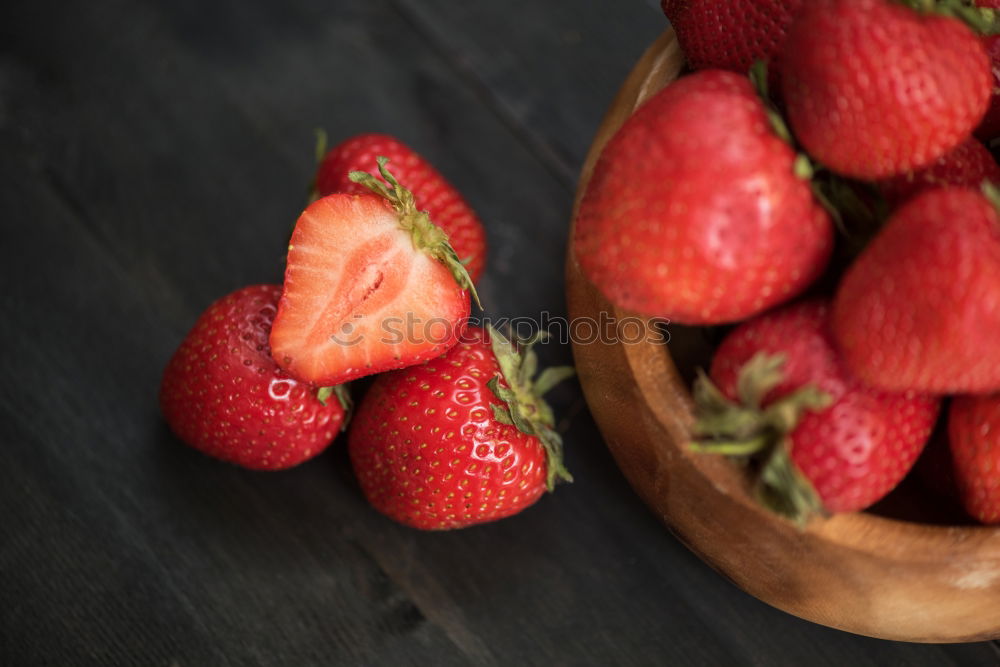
x: 967, y: 165
x: 874, y: 89
x: 463, y: 439
x: 974, y: 433
x: 694, y: 211
x: 224, y: 395
x: 729, y: 34
x: 371, y: 285
x: 826, y: 441
x: 446, y: 207
x: 920, y: 307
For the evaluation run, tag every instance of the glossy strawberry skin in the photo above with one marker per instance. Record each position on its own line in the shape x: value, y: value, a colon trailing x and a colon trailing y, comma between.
x: 974, y: 436
x: 428, y: 452
x: 693, y: 212
x: 859, y: 448
x: 358, y: 298
x: 874, y: 89
x: 919, y: 309
x: 967, y: 165
x: 729, y: 34
x: 433, y: 193
x: 222, y: 393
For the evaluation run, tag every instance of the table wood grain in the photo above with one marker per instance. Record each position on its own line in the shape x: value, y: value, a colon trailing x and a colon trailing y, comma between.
x: 154, y: 155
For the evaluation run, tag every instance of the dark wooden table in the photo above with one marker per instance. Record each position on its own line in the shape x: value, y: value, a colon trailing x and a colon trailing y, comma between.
x: 154, y: 154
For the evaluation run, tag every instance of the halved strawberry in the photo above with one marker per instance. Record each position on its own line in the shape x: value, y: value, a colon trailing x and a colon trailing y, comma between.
x: 432, y: 192
x: 371, y: 285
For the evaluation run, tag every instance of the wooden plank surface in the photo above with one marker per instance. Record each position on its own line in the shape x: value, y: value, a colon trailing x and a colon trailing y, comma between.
x: 154, y: 157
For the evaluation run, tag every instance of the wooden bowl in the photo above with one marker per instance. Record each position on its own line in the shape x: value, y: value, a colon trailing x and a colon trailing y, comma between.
x: 864, y: 573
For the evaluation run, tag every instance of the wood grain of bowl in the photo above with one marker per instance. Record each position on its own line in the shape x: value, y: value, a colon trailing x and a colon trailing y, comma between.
x: 873, y: 575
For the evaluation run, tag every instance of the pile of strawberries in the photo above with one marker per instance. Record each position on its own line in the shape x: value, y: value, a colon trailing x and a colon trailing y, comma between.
x: 378, y: 280
x: 835, y: 205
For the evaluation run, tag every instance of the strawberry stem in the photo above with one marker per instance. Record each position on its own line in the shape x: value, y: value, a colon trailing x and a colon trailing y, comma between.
x: 734, y: 448
x: 427, y: 237
x: 992, y: 193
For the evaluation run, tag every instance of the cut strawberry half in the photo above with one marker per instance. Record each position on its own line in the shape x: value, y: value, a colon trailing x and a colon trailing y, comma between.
x: 371, y: 285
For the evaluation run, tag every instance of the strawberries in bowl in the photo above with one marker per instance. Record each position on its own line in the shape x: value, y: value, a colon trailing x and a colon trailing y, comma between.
x: 706, y: 207
x: 872, y: 103
x: 696, y: 212
x: 791, y: 444
x: 824, y: 441
x: 753, y: 29
x: 919, y: 309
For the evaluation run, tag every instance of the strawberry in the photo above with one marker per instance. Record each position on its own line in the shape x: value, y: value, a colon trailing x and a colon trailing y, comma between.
x: 371, y: 285
x: 967, y: 165
x: 920, y: 307
x: 729, y: 34
x: 694, y: 211
x: 874, y: 88
x: 974, y: 436
x: 223, y: 394
x: 432, y: 192
x: 825, y: 441
x: 463, y: 439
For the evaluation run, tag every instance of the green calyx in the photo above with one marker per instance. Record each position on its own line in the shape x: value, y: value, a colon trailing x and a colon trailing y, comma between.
x: 803, y: 167
x: 749, y: 432
x: 523, y: 406
x: 323, y: 395
x: 983, y: 20
x: 992, y: 193
x: 427, y: 237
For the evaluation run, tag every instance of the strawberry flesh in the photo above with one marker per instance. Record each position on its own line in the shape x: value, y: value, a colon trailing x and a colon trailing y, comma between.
x: 359, y: 298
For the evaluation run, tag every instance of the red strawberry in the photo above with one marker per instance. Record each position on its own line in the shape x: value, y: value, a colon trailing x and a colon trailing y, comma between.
x: 874, y: 89
x: 432, y: 192
x: 825, y: 438
x: 729, y: 34
x: 920, y: 307
x: 694, y: 211
x: 967, y: 165
x: 974, y: 434
x: 224, y: 395
x: 463, y: 439
x: 371, y: 285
